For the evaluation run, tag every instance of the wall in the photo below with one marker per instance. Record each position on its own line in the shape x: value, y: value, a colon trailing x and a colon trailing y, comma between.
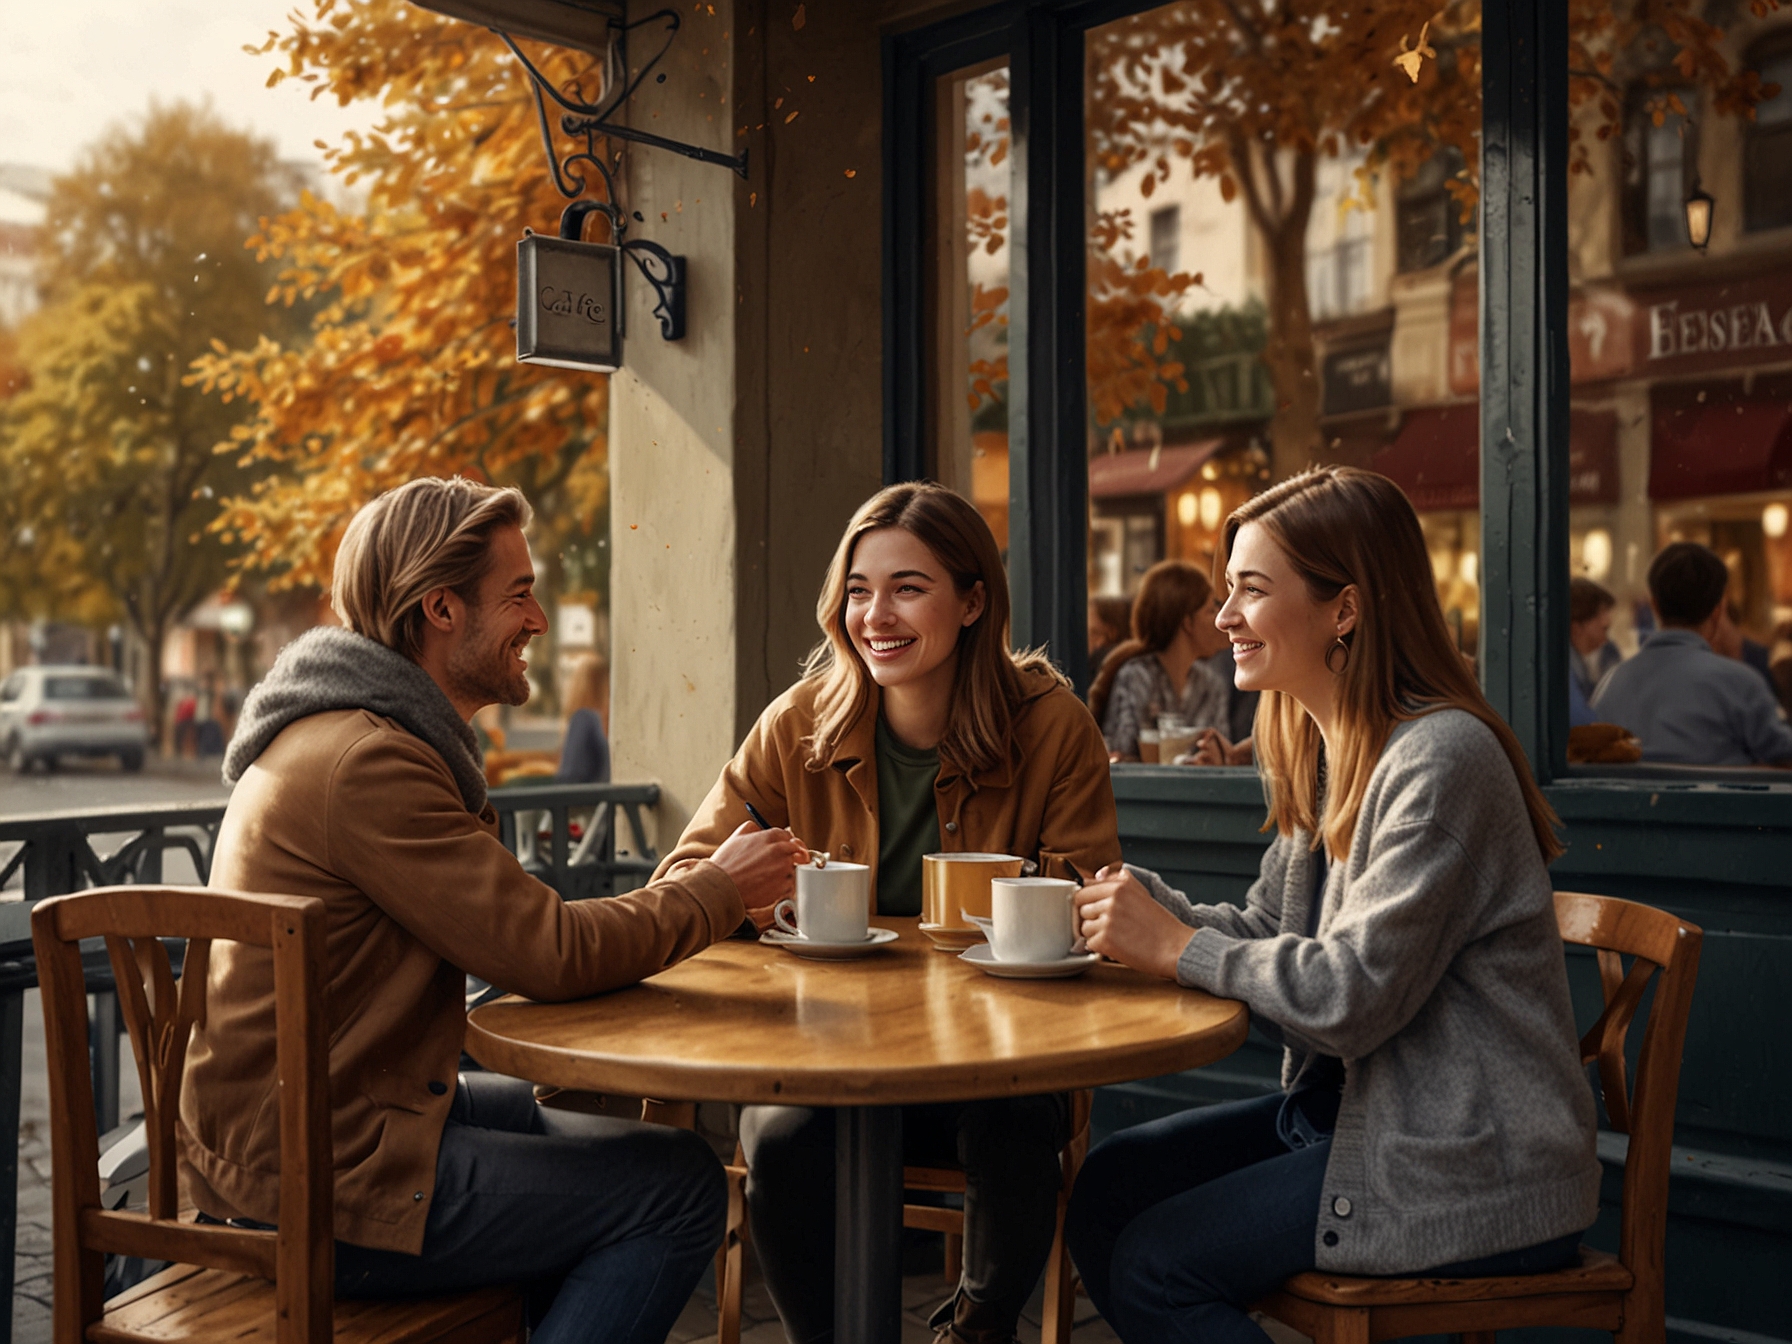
x: 1714, y: 853
x: 738, y: 454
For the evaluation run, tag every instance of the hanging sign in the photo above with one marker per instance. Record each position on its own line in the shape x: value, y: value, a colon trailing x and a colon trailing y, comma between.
x: 568, y: 304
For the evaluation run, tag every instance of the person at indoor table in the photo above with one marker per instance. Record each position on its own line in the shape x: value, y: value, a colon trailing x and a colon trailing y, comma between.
x: 1401, y: 941
x: 915, y: 729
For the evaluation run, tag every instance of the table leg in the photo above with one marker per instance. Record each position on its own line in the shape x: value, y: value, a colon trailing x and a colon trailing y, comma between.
x: 868, y: 1225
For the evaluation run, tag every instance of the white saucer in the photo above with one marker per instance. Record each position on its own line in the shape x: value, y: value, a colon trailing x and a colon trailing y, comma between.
x: 819, y: 951
x: 983, y: 957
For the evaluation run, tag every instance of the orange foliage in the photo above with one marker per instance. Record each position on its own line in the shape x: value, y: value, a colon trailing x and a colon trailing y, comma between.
x: 410, y: 367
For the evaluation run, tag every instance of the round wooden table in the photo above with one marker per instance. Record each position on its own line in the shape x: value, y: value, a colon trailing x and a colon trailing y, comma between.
x: 746, y: 1022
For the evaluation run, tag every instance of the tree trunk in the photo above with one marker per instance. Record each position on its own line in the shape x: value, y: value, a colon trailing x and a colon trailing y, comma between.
x: 1294, y: 436
x: 150, y: 696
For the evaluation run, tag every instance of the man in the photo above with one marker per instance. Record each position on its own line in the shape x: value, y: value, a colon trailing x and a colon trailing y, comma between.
x: 1591, y: 651
x: 359, y: 781
x: 1687, y: 703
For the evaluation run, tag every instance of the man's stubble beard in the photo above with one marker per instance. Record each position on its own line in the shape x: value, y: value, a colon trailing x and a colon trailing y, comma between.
x: 480, y: 670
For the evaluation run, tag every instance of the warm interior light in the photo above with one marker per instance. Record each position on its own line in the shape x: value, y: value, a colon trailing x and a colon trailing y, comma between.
x: 1186, y: 507
x: 1773, y: 520
x: 1211, y: 506
x: 1596, y: 553
x: 1699, y: 206
x: 1469, y: 567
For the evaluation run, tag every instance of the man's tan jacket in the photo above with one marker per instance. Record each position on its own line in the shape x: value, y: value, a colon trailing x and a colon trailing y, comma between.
x: 350, y: 807
x: 1050, y: 800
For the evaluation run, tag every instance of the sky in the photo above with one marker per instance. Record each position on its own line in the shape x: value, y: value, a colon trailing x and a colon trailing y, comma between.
x: 70, y: 68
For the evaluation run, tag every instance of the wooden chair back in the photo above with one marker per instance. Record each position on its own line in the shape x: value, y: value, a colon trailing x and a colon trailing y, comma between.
x: 160, y: 1013
x: 1665, y: 948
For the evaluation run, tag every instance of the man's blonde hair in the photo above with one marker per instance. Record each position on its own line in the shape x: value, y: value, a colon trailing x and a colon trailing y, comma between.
x: 426, y: 534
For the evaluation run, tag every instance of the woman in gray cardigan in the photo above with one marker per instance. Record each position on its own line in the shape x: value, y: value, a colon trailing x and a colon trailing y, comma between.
x: 1400, y: 942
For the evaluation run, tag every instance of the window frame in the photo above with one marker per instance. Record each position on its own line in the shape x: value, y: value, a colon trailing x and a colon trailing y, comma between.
x: 1523, y: 313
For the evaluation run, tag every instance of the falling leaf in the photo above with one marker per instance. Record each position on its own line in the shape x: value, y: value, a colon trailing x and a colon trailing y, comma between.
x: 795, y: 113
x: 1413, y: 61
x: 801, y: 17
x: 852, y: 172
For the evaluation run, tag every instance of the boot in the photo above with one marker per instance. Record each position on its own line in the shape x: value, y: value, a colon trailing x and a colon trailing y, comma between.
x: 959, y: 1320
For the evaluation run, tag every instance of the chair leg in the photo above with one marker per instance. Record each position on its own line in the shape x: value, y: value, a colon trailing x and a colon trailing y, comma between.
x: 729, y: 1259
x: 954, y: 1261
x: 1341, y: 1325
x: 1059, y: 1308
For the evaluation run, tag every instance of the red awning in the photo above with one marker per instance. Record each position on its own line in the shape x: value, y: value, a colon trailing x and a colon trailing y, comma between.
x: 1436, y: 457
x: 1141, y: 471
x: 1723, y: 446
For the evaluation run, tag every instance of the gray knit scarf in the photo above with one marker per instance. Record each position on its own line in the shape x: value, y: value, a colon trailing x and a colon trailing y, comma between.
x: 331, y: 668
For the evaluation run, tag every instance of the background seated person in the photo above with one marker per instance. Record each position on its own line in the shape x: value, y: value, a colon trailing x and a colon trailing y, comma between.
x: 915, y: 729
x: 358, y: 780
x: 1688, y: 704
x: 585, y: 749
x: 1591, y: 653
x: 1400, y: 941
x: 1160, y: 670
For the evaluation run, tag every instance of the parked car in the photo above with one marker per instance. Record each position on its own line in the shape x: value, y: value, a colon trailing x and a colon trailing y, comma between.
x: 52, y: 711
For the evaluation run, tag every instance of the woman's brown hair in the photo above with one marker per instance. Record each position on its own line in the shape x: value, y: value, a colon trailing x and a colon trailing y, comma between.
x: 1339, y: 526
x: 990, y: 680
x: 1170, y: 592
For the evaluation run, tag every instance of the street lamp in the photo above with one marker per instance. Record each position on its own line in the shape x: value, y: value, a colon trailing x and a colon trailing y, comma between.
x: 1698, y: 216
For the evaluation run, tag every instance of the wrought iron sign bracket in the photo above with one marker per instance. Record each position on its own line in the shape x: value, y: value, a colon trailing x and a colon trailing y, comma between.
x: 580, y: 119
x: 662, y: 270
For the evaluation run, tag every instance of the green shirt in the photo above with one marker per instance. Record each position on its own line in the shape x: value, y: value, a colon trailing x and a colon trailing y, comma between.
x: 908, y: 821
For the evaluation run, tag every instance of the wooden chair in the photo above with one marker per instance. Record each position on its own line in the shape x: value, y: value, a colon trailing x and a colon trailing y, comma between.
x: 1622, y: 1293
x: 226, y: 1282
x: 1060, y: 1279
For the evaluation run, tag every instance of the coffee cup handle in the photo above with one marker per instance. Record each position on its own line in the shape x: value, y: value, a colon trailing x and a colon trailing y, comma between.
x: 783, y: 907
x: 1078, y: 944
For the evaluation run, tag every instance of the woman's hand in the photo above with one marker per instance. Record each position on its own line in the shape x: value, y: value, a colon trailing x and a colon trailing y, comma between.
x: 1119, y: 919
x: 763, y: 865
x: 1214, y: 749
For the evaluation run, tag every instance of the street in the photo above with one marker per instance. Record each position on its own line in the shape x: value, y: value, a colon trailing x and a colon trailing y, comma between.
x: 90, y: 785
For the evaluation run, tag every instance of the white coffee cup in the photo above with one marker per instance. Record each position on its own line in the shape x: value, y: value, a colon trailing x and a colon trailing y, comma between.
x: 833, y: 904
x: 1031, y: 918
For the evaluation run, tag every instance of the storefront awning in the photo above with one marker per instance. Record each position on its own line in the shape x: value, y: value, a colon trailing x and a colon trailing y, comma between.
x: 1155, y: 471
x: 1722, y: 446
x: 1436, y: 457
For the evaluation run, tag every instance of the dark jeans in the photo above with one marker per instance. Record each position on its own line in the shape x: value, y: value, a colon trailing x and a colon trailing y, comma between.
x: 1176, y: 1224
x: 1008, y: 1149
x: 613, y: 1220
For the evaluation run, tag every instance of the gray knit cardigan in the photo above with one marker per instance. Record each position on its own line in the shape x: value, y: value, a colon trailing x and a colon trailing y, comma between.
x: 1437, y: 975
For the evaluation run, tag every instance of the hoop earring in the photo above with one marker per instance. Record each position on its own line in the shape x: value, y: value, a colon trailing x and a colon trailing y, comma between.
x: 1337, y: 645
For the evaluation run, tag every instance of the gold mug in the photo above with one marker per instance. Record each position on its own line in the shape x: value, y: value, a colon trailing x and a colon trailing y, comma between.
x: 956, y: 885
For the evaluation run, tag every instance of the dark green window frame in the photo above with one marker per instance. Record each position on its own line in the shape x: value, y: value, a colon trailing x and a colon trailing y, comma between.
x: 1523, y: 343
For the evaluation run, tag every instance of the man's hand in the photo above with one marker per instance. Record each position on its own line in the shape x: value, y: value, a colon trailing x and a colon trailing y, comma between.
x: 763, y: 865
x: 1120, y: 920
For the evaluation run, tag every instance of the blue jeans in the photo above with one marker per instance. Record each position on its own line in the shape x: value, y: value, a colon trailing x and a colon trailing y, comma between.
x: 611, y: 1222
x: 1177, y: 1224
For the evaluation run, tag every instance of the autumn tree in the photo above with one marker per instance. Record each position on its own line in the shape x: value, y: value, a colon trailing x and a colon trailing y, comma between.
x: 112, y: 476
x: 1254, y: 93
x: 409, y: 368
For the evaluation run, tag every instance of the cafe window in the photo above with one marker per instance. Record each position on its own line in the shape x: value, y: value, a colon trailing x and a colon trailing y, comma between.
x: 1660, y: 167
x: 1767, y: 142
x: 1429, y: 227
x: 1681, y: 403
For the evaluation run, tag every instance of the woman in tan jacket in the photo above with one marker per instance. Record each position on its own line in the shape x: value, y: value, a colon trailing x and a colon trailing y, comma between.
x: 915, y: 729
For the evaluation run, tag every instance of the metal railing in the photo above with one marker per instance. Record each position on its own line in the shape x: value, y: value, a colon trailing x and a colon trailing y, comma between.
x: 564, y: 834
